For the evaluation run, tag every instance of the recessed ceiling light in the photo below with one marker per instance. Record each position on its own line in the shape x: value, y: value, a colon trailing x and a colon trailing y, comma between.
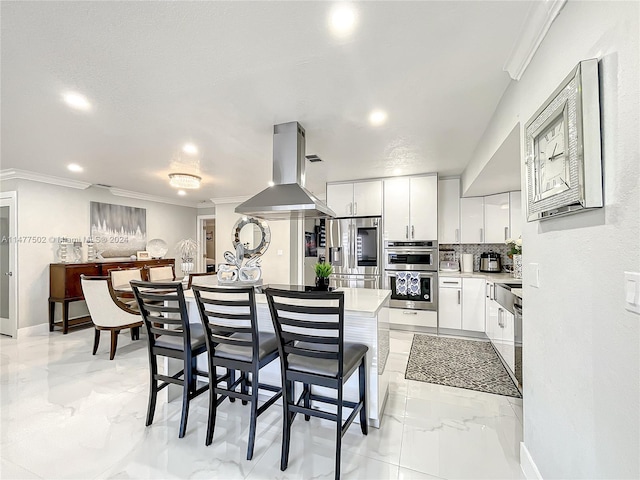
x: 76, y: 101
x: 271, y: 183
x: 190, y: 148
x: 342, y: 19
x: 377, y: 117
x: 182, y: 193
x: 74, y: 167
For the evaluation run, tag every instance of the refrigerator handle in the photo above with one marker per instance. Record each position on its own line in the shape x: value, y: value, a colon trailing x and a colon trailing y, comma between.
x: 352, y: 243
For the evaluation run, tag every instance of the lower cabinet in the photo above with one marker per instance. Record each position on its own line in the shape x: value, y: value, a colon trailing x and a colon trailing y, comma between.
x: 461, y: 303
x: 499, y: 327
x: 413, y: 318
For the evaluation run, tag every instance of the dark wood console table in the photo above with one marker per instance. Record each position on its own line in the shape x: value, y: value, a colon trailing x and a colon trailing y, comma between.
x: 65, y: 287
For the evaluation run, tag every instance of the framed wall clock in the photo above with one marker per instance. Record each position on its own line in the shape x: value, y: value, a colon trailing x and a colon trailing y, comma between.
x: 563, y: 154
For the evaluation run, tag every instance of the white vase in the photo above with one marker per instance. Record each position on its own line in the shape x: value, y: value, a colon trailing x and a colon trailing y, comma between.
x: 517, y: 266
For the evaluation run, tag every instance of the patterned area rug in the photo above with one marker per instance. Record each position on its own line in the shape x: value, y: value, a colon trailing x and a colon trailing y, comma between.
x: 459, y: 363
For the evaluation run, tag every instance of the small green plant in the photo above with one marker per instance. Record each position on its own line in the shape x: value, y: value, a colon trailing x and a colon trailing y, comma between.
x: 323, y: 270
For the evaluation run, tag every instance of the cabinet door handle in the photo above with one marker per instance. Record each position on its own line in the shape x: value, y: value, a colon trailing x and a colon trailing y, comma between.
x: 482, y: 235
x: 486, y: 290
x: 355, y: 209
x: 457, y: 235
x: 350, y: 208
x: 506, y: 232
x: 452, y: 283
x: 413, y: 231
x: 404, y: 312
x: 406, y: 232
x: 459, y: 295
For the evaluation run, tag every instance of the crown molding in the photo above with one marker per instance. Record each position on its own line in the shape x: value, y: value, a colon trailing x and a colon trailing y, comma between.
x: 223, y: 200
x: 118, y: 192
x: 539, y: 19
x: 17, y: 174
x: 206, y: 205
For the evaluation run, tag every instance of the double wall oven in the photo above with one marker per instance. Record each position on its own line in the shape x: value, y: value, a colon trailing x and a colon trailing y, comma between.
x: 411, y: 273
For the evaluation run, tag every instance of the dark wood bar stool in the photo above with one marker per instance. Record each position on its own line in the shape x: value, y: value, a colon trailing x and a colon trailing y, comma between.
x: 309, y: 327
x: 164, y: 313
x: 233, y: 341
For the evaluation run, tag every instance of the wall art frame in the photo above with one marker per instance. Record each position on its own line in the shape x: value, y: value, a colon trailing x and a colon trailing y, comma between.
x: 563, y: 148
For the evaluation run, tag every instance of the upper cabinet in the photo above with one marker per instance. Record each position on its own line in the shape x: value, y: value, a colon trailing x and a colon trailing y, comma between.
x: 515, y: 214
x: 358, y: 199
x: 449, y: 210
x: 411, y: 208
x: 490, y: 219
x: 496, y: 218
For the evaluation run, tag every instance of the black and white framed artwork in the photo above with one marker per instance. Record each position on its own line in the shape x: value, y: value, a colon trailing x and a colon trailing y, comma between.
x: 117, y: 230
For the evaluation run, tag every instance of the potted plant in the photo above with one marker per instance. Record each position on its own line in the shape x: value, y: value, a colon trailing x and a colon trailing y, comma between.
x: 515, y: 253
x: 323, y: 270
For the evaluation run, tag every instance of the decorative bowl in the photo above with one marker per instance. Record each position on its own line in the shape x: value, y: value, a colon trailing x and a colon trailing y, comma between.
x: 157, y: 248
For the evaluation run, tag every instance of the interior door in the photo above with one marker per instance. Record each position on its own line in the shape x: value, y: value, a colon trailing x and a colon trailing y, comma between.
x: 8, y: 254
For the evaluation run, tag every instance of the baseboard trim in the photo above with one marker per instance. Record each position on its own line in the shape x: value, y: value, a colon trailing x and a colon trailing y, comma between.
x: 34, y: 331
x: 527, y: 465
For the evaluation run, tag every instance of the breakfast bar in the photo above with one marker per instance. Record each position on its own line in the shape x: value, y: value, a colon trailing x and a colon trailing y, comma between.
x: 366, y: 321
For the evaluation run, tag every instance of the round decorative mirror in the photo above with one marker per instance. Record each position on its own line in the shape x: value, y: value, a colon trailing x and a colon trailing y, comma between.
x: 254, y: 234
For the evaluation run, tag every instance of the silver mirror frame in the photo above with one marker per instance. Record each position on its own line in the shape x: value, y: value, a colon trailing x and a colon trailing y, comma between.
x: 265, y: 238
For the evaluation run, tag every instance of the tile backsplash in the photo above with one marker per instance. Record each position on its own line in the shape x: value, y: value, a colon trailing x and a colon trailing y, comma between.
x: 457, y: 249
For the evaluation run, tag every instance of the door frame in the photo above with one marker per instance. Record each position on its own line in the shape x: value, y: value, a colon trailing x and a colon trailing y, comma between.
x: 200, y: 219
x: 10, y: 199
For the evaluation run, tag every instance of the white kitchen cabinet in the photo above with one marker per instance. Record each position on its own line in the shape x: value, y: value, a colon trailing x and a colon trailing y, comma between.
x: 449, y: 210
x: 496, y: 218
x: 358, y: 199
x: 423, y: 208
x: 396, y: 208
x: 450, y: 303
x: 472, y: 220
x: 515, y: 214
x: 411, y: 208
x: 491, y: 312
x: 473, y: 304
x: 413, y: 318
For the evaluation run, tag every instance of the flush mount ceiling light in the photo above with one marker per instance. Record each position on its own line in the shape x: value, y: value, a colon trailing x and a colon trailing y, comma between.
x: 76, y: 101
x: 342, y: 19
x: 190, y: 148
x: 377, y: 117
x: 184, y: 180
x: 271, y: 183
x: 74, y: 167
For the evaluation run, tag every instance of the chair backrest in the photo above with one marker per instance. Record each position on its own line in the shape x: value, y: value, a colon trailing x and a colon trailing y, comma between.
x: 208, y: 279
x: 163, y: 309
x: 161, y: 274
x: 102, y: 307
x: 225, y: 311
x: 121, y: 278
x: 315, y: 318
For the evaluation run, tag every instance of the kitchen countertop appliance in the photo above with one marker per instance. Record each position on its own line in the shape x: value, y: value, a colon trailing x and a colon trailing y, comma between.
x: 490, y: 262
x: 355, y: 252
x: 411, y: 273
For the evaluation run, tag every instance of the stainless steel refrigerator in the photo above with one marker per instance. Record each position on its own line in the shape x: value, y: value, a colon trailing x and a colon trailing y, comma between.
x: 355, y: 252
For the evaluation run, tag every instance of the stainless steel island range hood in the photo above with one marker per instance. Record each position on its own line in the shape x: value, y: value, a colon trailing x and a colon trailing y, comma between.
x: 288, y: 198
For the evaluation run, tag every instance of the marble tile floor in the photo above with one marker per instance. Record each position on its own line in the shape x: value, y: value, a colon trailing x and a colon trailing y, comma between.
x: 67, y: 414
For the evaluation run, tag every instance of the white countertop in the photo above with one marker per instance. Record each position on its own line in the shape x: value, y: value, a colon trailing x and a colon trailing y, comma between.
x: 517, y: 292
x: 362, y: 302
x: 494, y: 277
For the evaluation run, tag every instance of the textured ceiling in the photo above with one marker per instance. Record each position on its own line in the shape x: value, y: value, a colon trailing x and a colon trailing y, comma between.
x: 220, y: 74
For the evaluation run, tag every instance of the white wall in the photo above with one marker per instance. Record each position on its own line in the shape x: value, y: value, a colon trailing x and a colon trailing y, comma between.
x: 275, y: 268
x: 581, y: 347
x: 52, y: 211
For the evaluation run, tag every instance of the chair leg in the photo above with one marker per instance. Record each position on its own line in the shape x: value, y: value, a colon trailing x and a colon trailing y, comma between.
x: 286, y: 425
x: 153, y: 388
x: 213, y: 403
x: 364, y: 421
x: 186, y: 388
x: 254, y: 414
x: 243, y: 386
x: 307, y: 399
x: 96, y: 340
x: 338, y: 432
x: 135, y: 333
x: 114, y: 343
x: 230, y: 381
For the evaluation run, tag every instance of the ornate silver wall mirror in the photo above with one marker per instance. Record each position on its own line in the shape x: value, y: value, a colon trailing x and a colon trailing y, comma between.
x: 254, y: 234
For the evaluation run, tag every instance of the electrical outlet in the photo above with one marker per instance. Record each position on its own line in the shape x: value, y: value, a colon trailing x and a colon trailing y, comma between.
x: 632, y: 291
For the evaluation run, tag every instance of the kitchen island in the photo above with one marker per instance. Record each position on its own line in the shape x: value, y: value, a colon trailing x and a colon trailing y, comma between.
x: 366, y: 320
